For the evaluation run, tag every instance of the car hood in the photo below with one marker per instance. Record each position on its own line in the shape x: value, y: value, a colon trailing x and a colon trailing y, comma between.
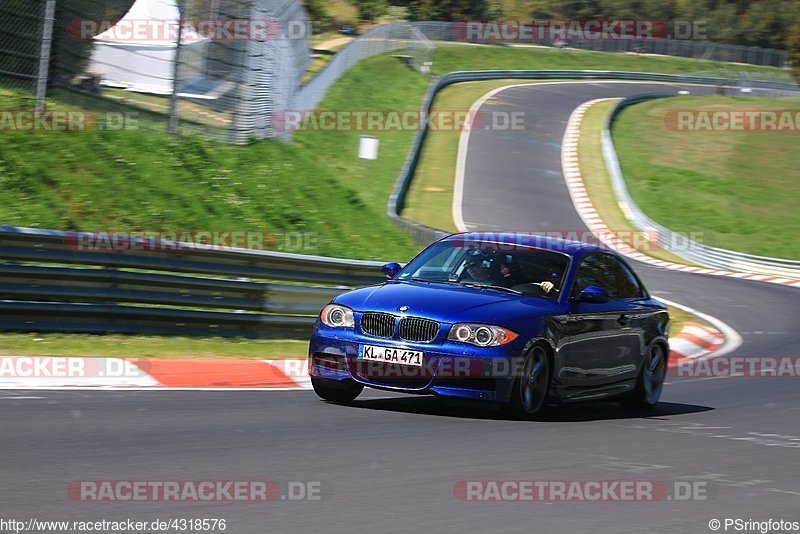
x: 447, y: 303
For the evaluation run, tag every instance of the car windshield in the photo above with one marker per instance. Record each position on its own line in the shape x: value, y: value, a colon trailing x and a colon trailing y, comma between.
x: 514, y: 269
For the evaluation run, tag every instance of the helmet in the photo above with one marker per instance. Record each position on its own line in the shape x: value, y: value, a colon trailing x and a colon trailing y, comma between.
x: 478, y: 258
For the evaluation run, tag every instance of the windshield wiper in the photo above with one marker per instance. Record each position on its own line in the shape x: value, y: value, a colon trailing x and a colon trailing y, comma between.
x: 416, y: 279
x: 467, y: 284
x: 499, y: 288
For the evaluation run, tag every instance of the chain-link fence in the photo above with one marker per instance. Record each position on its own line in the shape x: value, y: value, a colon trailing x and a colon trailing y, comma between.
x: 399, y: 37
x: 222, y: 68
x: 751, y: 55
x: 688, y: 48
x: 219, y: 67
x: 23, y: 40
x: 418, y: 40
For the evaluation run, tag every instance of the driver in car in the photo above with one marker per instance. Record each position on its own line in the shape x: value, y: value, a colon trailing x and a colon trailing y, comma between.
x: 551, y: 278
x: 482, y: 268
x: 544, y: 275
x: 490, y: 269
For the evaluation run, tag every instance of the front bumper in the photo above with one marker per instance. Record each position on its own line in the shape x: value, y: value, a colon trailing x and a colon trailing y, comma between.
x: 449, y: 369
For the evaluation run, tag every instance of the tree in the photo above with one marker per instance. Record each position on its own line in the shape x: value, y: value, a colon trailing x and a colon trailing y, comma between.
x: 457, y: 10
x: 21, y: 35
x: 793, y: 46
x: 318, y: 13
x: 369, y: 10
x: 69, y: 55
x: 423, y: 10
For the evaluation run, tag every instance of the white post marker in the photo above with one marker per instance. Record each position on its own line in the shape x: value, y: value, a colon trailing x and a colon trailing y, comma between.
x: 368, y: 147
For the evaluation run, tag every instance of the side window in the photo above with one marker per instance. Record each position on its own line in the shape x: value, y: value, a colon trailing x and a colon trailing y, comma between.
x: 594, y: 271
x: 628, y: 284
x: 606, y: 271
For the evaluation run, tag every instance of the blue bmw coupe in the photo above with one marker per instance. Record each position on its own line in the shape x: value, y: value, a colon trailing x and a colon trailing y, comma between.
x: 522, y: 320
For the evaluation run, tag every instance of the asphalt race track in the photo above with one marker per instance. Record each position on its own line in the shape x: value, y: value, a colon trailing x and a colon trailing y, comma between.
x: 389, y: 463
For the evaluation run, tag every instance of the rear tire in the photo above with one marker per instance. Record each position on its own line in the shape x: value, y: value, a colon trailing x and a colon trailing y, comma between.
x: 650, y: 382
x: 337, y: 392
x: 530, y: 388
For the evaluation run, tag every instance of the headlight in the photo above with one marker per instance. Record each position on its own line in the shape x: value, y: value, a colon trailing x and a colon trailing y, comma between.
x: 481, y: 335
x: 337, y: 316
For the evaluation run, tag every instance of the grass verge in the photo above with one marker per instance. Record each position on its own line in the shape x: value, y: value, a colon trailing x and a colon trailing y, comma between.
x: 156, y: 347
x: 143, y: 180
x: 737, y: 190
x: 323, y: 53
x: 153, y: 347
x: 680, y: 317
x: 598, y: 182
x: 430, y: 197
x: 450, y: 58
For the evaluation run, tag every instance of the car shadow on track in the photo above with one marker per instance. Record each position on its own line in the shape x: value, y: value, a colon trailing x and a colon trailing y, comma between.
x: 595, y: 411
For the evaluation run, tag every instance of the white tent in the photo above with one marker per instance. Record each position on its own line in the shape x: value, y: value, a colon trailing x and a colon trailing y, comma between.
x: 138, y: 53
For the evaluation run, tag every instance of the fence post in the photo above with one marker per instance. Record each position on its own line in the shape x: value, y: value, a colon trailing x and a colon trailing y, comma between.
x: 172, y: 123
x: 44, y: 53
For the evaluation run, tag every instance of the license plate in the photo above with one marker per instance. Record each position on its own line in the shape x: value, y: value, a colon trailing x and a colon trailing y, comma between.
x: 391, y: 355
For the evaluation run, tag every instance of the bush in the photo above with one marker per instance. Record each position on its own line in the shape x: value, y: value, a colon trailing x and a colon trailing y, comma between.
x: 369, y: 10
x: 793, y: 46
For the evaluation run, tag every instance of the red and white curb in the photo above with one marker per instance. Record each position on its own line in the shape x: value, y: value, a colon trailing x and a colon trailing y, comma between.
x: 572, y: 174
x: 45, y: 372
x: 694, y: 341
x: 52, y: 372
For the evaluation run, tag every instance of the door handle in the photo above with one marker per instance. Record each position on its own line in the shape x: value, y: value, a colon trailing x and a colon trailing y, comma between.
x: 623, y: 319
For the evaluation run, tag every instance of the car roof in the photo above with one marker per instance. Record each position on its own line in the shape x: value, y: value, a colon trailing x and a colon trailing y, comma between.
x: 526, y: 239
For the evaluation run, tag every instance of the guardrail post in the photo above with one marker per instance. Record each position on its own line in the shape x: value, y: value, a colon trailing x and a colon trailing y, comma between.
x: 172, y: 124
x: 44, y: 53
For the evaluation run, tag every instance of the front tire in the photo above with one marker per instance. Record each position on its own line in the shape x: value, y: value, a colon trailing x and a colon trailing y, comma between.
x: 650, y: 382
x: 337, y: 392
x: 531, y: 386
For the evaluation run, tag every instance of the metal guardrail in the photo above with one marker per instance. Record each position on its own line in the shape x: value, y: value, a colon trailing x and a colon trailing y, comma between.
x: 674, y: 242
x: 419, y: 38
x: 140, y: 291
x: 201, y: 76
x: 457, y: 32
x: 425, y: 234
x: 47, y: 283
x: 386, y: 38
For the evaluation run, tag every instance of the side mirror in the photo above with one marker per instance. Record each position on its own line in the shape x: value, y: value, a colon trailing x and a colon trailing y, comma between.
x: 594, y: 295
x: 391, y: 269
